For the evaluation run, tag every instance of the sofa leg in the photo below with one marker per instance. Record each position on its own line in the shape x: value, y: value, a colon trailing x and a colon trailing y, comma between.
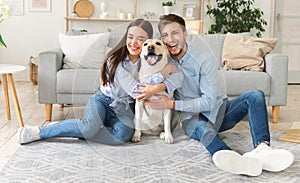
x: 48, y: 111
x: 275, y: 113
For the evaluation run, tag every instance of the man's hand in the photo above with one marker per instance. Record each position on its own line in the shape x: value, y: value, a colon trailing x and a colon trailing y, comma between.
x: 163, y: 102
x: 168, y: 69
x: 148, y: 90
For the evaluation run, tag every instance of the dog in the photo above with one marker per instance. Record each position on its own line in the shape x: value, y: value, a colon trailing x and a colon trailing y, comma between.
x: 154, y: 57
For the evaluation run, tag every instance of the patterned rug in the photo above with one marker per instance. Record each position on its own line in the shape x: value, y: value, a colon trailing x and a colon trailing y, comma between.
x: 72, y: 160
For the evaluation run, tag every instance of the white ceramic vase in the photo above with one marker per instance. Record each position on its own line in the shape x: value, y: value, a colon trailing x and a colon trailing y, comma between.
x: 167, y: 9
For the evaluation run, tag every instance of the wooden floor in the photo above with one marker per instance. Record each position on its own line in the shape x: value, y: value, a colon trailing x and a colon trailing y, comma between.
x: 34, y: 114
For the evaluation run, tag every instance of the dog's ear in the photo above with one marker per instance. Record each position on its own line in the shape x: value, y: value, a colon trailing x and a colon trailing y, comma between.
x: 166, y: 51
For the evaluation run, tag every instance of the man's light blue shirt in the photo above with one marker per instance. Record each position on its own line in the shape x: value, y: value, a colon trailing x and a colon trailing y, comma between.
x: 199, y: 92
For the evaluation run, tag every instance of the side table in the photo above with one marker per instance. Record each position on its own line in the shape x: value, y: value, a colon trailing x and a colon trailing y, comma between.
x: 7, y: 70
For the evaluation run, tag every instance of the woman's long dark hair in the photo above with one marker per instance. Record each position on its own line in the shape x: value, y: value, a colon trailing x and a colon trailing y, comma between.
x: 119, y: 52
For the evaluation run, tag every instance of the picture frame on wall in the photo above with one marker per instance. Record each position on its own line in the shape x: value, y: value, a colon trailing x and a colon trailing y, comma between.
x: 17, y: 7
x: 40, y: 5
x: 189, y: 11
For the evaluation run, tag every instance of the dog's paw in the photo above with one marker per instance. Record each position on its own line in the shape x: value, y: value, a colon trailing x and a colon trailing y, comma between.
x: 136, y: 139
x: 136, y: 136
x: 168, y: 138
x: 162, y: 135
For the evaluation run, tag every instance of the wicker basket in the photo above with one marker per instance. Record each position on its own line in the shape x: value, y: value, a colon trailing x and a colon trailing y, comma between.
x: 33, y: 71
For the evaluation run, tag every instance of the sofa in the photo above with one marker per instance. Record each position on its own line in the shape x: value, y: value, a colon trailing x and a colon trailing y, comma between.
x: 60, y: 85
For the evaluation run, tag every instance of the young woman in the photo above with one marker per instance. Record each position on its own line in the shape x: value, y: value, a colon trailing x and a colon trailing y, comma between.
x: 109, y: 113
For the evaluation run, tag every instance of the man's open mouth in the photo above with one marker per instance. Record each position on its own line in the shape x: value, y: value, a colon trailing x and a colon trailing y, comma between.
x: 152, y: 58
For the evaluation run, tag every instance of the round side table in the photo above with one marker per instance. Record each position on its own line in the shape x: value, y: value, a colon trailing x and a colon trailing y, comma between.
x: 7, y: 70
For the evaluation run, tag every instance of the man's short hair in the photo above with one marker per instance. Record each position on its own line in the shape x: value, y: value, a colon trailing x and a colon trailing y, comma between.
x: 166, y: 19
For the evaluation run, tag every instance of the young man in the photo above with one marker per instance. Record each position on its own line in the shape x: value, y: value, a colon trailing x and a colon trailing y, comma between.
x: 204, y: 111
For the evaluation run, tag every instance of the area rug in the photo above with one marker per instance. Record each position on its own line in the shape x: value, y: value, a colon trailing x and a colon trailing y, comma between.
x: 73, y: 160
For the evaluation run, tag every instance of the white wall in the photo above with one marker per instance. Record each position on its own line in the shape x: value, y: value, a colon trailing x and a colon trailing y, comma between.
x: 34, y: 32
x: 29, y: 34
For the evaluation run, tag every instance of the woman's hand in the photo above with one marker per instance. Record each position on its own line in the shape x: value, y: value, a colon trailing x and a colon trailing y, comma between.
x: 148, y: 90
x: 168, y: 69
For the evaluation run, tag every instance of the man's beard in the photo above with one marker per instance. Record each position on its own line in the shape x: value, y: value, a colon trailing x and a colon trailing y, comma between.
x: 181, y: 52
x: 175, y: 55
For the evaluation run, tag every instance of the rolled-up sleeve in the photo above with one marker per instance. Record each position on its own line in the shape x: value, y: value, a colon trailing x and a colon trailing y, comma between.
x: 173, y: 81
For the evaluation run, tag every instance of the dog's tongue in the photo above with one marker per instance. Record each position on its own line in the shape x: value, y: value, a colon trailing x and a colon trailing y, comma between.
x: 152, y: 59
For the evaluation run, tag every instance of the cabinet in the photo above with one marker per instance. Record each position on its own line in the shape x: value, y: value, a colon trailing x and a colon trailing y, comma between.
x: 138, y: 8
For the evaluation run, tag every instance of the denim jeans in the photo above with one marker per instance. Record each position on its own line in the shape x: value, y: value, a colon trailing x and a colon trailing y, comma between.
x: 101, y: 123
x: 251, y: 103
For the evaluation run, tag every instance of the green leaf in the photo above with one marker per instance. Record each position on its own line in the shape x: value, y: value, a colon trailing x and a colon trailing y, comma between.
x: 235, y: 16
x: 2, y: 42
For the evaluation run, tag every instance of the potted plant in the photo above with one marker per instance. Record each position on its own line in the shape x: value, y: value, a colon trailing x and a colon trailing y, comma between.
x: 235, y: 17
x: 167, y: 5
x: 74, y: 14
x: 4, y: 14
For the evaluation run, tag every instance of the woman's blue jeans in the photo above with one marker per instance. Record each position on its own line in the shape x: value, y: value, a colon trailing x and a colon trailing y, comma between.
x: 101, y: 123
x: 251, y: 103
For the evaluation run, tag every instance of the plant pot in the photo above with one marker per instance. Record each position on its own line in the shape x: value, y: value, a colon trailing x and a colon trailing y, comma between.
x: 73, y: 14
x: 167, y: 9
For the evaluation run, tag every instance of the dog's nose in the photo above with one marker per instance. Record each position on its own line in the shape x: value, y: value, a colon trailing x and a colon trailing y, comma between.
x: 151, y: 48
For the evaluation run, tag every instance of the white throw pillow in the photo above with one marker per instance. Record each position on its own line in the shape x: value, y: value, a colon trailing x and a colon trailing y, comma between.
x: 84, y: 51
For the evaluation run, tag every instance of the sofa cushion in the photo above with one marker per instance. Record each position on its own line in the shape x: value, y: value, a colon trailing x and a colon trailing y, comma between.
x: 245, y: 52
x: 237, y: 82
x: 78, y: 80
x: 212, y: 42
x: 83, y: 51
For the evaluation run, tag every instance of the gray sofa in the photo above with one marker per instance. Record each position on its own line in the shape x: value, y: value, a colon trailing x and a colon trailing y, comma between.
x: 75, y: 86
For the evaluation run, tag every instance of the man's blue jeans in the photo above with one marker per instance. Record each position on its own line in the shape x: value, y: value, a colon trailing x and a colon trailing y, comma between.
x: 251, y: 103
x: 101, y: 123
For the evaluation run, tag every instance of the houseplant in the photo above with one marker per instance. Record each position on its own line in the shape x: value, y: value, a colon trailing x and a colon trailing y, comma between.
x: 167, y: 5
x: 4, y: 14
x: 235, y: 17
